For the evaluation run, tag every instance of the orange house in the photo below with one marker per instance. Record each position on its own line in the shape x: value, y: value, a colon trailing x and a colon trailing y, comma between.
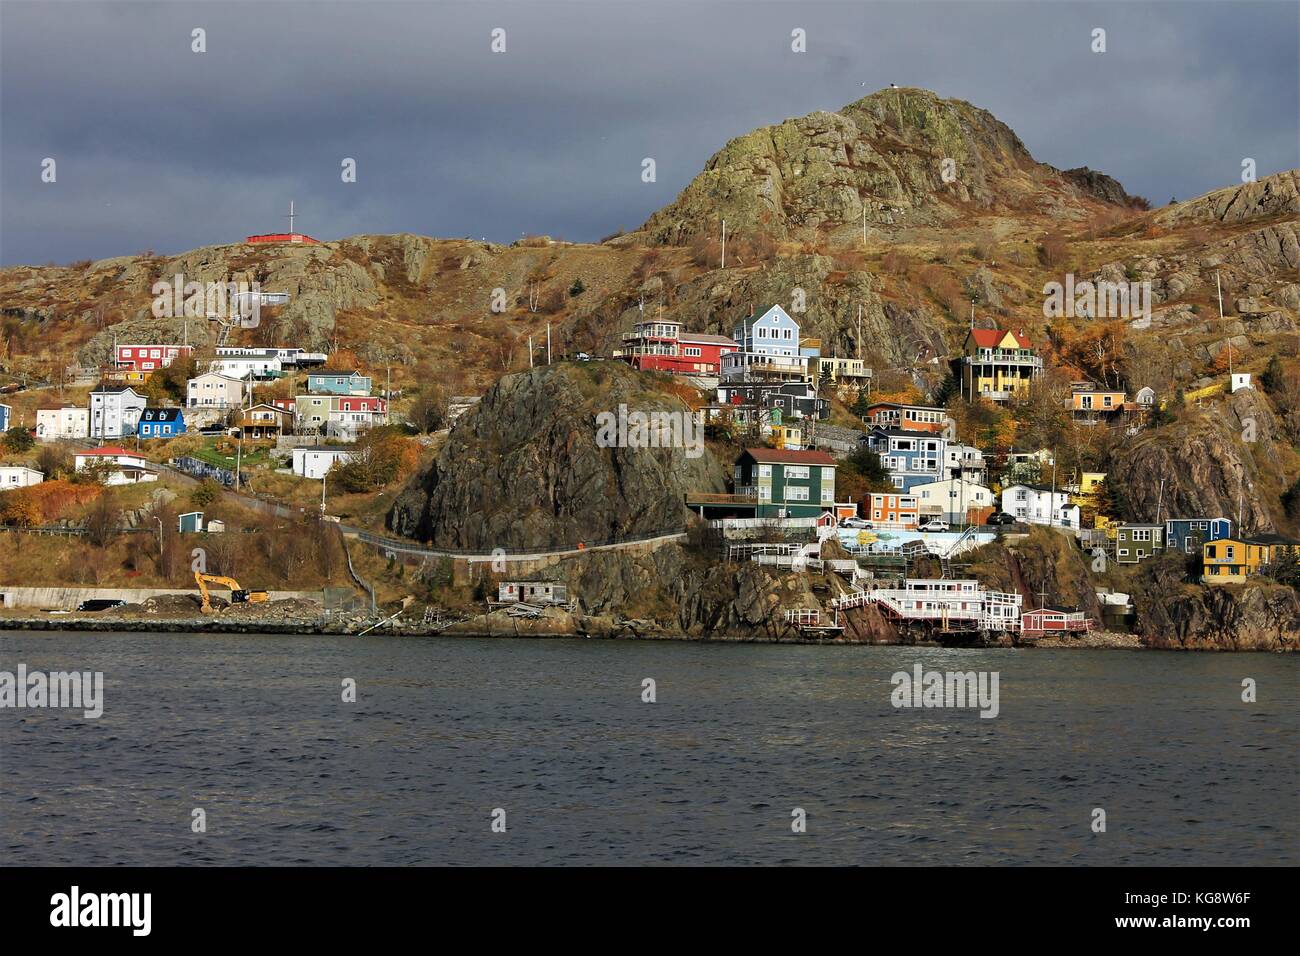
x: 894, y: 510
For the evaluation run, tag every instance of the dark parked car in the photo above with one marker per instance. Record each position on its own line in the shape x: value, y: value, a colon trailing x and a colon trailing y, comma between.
x: 1001, y: 518
x: 100, y: 604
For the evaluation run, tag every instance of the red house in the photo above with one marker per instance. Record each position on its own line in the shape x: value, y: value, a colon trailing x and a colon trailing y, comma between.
x: 147, y: 358
x: 660, y: 345
x: 1046, y: 620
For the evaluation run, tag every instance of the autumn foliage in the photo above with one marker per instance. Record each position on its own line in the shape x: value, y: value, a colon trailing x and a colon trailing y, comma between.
x: 43, y: 503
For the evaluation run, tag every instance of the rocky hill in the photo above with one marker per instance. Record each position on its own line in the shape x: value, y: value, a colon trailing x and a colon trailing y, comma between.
x: 528, y: 466
x: 896, y: 158
x: 990, y: 229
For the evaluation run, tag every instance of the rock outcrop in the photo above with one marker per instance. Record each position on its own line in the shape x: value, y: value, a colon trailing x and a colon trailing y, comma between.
x: 528, y: 468
x: 899, y: 156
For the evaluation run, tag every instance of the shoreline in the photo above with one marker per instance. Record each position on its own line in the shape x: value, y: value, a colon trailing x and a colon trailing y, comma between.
x: 348, y: 627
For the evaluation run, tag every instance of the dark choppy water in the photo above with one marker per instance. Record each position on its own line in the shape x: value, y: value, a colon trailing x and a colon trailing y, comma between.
x: 252, y: 729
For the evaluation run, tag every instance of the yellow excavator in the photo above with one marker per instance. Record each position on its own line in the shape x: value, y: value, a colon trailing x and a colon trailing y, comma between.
x: 237, y: 594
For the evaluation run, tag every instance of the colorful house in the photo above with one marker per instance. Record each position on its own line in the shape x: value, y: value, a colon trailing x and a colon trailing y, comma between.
x: 162, y: 423
x: 890, y: 510
x: 1232, y: 560
x: 6, y: 415
x: 786, y: 484
x: 999, y: 365
x: 1189, y: 534
x: 911, y: 457
x: 769, y: 349
x: 121, y: 467
x: 1137, y: 542
x: 315, y: 461
x: 793, y: 399
x: 1090, y: 405
x: 266, y: 420
x: 661, y: 345
x: 148, y: 358
x: 338, y: 383
x: 915, y: 418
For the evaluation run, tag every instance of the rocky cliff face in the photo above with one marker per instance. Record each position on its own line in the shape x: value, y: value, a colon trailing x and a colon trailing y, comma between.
x: 527, y: 468
x: 901, y: 156
x: 1203, y: 466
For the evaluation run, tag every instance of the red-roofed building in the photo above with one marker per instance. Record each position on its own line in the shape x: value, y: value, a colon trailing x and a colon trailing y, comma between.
x: 297, y: 237
x: 998, y: 365
x: 661, y: 345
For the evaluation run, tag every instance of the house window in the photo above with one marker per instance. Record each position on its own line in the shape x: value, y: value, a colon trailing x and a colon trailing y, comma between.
x: 796, y: 493
x: 796, y: 471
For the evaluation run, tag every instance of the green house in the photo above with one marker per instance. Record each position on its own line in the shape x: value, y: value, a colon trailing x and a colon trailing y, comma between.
x: 1137, y: 542
x: 790, y: 484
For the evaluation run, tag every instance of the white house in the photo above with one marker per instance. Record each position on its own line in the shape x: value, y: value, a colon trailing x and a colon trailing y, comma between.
x: 70, y: 421
x: 248, y: 366
x: 1035, y: 504
x: 123, y: 467
x: 213, y: 390
x: 18, y: 476
x: 965, y: 461
x: 114, y: 411
x: 314, y: 461
x: 769, y: 347
x: 951, y: 499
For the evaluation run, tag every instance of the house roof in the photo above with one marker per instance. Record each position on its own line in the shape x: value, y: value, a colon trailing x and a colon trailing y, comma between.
x: 334, y: 371
x: 783, y: 456
x: 989, y: 338
x: 706, y: 337
x: 342, y: 449
x: 103, y: 389
x: 1044, y: 488
x: 1266, y: 538
x: 107, y: 450
x: 905, y: 433
x: 161, y: 415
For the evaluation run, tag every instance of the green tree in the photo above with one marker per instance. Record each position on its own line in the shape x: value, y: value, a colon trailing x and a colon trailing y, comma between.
x: 18, y: 439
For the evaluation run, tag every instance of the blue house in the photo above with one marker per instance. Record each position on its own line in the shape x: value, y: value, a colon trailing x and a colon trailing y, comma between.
x: 911, y: 457
x: 1188, y: 534
x: 338, y: 383
x: 161, y: 423
x: 6, y: 413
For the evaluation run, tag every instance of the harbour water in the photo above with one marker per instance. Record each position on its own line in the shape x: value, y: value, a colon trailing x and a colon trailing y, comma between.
x: 253, y: 730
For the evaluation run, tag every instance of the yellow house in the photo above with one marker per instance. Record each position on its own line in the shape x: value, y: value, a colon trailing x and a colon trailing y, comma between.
x: 998, y: 365
x: 787, y: 436
x: 1233, y: 560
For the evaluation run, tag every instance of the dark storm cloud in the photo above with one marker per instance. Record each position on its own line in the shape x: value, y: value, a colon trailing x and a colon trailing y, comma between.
x: 158, y: 147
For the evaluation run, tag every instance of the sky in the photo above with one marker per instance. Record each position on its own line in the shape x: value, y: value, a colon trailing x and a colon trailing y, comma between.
x: 158, y: 147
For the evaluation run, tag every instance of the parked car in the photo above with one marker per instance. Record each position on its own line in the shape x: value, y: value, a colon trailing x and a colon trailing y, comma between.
x: 100, y: 604
x: 1000, y: 518
x: 935, y: 525
x: 855, y: 523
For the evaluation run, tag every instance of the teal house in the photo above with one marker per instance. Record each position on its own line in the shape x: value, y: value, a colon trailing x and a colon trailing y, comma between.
x: 338, y: 383
x: 786, y: 484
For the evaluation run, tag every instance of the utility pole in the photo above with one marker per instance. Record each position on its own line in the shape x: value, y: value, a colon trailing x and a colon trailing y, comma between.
x: 859, y: 331
x: 1051, y: 520
x: 1219, y: 288
x: 323, y: 479
x: 530, y: 351
x: 290, y: 217
x: 1160, y: 498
